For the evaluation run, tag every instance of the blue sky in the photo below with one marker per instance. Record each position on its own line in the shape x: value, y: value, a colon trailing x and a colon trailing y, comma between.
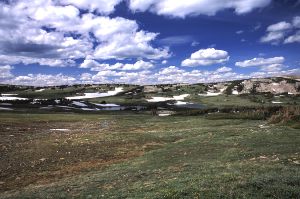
x: 51, y: 42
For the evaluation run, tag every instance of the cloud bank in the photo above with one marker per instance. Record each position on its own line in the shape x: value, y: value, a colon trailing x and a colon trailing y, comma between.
x: 183, y: 9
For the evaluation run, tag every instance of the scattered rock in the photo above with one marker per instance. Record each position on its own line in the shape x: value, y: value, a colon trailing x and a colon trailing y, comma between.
x: 296, y: 162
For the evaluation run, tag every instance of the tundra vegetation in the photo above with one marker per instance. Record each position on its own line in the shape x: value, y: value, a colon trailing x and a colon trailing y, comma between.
x: 232, y: 146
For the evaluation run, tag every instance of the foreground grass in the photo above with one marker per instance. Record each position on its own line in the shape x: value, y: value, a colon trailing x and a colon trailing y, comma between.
x: 151, y: 157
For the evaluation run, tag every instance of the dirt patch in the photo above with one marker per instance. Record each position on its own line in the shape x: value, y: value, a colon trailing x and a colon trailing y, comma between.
x: 30, y: 153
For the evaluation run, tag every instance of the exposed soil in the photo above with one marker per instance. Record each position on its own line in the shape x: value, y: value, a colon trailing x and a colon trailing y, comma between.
x: 31, y: 153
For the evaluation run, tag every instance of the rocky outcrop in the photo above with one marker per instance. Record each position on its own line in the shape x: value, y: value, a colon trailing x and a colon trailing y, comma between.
x: 152, y: 89
x: 274, y: 86
x: 257, y: 85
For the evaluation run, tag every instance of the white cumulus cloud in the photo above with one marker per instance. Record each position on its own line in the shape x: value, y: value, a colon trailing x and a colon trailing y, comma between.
x: 265, y: 64
x: 101, y: 6
x: 5, y: 72
x: 293, y: 38
x: 204, y: 57
x: 260, y: 62
x: 279, y: 26
x: 96, y: 66
x: 224, y: 69
x: 283, y: 32
x: 56, y: 33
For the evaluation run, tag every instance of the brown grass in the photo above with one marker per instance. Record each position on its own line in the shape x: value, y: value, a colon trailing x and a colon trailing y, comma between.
x: 285, y: 114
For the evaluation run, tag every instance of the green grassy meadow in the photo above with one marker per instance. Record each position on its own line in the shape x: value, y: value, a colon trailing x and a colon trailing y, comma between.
x: 141, y: 156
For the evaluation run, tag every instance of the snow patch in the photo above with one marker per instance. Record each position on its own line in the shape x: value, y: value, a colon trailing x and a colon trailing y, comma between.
x: 107, y: 105
x: 181, y: 97
x: 12, y: 98
x: 79, y: 104
x: 9, y: 94
x: 163, y: 99
x: 235, y: 92
x: 40, y: 90
x: 65, y: 107
x: 276, y: 102
x: 164, y: 114
x: 209, y: 94
x: 47, y: 107
x: 181, y: 103
x: 89, y: 109
x: 6, y: 109
x: 223, y: 89
x: 59, y: 129
x: 97, y: 95
x: 5, y: 104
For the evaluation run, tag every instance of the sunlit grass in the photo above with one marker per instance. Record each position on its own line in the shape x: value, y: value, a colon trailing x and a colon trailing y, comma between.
x: 154, y: 157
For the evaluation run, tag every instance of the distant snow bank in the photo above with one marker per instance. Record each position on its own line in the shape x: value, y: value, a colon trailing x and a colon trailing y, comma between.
x: 40, y: 90
x: 12, y: 98
x: 235, y: 92
x: 107, y: 105
x: 97, y: 95
x: 164, y: 114
x: 89, y: 109
x: 6, y: 109
x: 163, y: 99
x: 79, y: 104
x: 275, y: 102
x: 209, y: 94
x: 9, y: 94
x: 5, y: 104
x: 180, y: 103
x: 59, y: 129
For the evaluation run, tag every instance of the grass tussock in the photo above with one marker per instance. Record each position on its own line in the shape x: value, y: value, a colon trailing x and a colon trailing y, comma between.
x: 253, y: 113
x: 287, y: 115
